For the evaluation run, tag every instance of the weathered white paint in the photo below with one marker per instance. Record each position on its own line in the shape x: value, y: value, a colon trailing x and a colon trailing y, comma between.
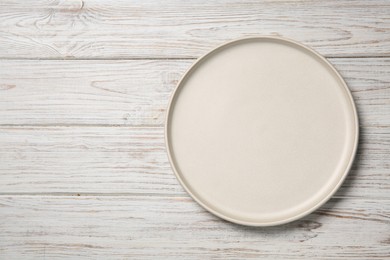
x: 93, y: 128
x: 175, y: 28
x: 156, y: 227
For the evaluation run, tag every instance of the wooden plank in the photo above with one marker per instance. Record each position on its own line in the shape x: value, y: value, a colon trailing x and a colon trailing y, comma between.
x: 182, y: 29
x: 136, y: 92
x: 133, y: 160
x: 87, y: 92
x: 144, y: 227
x: 85, y: 159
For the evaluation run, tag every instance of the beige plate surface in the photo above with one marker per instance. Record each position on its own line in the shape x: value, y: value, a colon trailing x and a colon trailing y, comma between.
x: 261, y: 131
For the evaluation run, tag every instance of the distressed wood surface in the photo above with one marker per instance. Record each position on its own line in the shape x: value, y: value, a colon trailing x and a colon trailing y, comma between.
x: 84, y: 87
x: 128, y: 160
x: 139, y: 227
x: 182, y: 29
x: 136, y: 92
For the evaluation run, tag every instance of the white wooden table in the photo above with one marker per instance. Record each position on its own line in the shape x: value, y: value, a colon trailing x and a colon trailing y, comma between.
x: 83, y: 90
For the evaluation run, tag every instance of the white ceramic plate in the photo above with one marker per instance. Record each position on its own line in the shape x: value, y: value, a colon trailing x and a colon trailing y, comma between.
x: 261, y: 131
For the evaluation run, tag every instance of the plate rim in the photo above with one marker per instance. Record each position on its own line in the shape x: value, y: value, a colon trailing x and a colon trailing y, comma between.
x: 260, y: 223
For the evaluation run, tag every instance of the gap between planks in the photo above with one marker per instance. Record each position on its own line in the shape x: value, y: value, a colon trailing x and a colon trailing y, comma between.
x: 134, y: 194
x: 125, y: 126
x: 92, y: 194
x: 88, y: 125
x: 173, y: 58
x: 117, y: 58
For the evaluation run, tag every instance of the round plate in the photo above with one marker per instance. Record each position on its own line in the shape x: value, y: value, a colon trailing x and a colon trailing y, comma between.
x: 261, y: 131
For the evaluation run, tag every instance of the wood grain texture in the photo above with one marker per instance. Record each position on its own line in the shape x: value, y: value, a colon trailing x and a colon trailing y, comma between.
x: 136, y: 93
x: 133, y: 160
x: 144, y: 227
x: 182, y: 29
